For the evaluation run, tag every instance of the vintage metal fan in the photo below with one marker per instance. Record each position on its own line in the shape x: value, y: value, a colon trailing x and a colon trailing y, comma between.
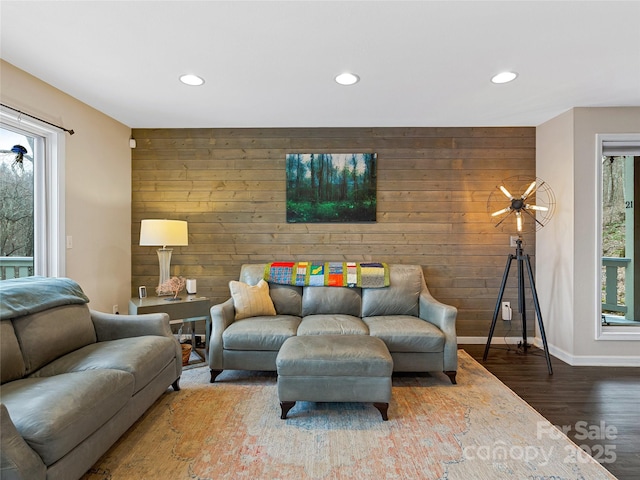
x: 524, y: 202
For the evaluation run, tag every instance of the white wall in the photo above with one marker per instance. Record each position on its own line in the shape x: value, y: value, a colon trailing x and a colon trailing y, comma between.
x: 554, y: 265
x: 98, y: 186
x: 566, y: 258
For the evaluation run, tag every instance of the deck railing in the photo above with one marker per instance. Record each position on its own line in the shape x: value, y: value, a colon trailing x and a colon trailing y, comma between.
x: 611, y: 266
x: 16, y: 267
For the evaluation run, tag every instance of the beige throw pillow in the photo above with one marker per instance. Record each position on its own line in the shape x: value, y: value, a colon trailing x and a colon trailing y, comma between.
x: 251, y: 300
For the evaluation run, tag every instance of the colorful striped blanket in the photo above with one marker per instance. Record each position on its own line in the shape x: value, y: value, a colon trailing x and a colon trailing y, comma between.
x: 329, y: 274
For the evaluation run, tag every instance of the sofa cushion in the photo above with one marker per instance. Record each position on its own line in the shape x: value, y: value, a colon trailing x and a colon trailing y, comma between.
x: 332, y: 324
x: 321, y: 300
x: 252, y: 273
x: 404, y: 333
x: 251, y: 300
x: 287, y: 299
x: 334, y: 356
x: 50, y: 334
x: 401, y: 297
x: 55, y: 414
x: 143, y: 357
x: 260, y: 333
x: 11, y: 361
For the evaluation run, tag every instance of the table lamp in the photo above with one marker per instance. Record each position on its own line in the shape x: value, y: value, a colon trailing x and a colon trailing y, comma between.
x: 163, y: 233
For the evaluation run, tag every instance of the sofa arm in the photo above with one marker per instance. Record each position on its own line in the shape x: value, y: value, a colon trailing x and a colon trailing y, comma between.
x: 18, y: 461
x: 112, y: 327
x: 442, y: 316
x: 222, y: 315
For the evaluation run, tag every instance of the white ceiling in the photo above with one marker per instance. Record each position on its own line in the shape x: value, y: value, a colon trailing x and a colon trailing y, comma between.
x: 272, y: 64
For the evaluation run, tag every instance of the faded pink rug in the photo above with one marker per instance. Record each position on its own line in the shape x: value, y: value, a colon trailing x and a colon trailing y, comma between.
x: 478, y: 429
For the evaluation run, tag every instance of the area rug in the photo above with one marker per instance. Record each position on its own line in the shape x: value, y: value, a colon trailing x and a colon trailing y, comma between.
x: 477, y: 429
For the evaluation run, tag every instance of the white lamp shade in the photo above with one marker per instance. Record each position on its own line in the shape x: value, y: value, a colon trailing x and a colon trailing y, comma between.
x: 164, y: 232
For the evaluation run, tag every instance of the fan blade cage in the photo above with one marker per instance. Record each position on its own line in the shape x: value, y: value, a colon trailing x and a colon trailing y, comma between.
x: 530, y: 199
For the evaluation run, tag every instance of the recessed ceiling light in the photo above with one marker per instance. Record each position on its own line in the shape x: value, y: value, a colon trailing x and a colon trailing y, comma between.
x: 504, y: 77
x: 347, y: 79
x: 190, y: 79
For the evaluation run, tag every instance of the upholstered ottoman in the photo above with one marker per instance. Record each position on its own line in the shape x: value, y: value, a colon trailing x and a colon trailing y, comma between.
x: 334, y: 368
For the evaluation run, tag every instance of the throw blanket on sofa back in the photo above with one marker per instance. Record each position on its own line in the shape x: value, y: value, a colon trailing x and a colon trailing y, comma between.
x: 24, y: 296
x: 329, y: 274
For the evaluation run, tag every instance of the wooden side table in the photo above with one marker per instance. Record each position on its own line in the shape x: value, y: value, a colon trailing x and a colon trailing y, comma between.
x: 189, y: 309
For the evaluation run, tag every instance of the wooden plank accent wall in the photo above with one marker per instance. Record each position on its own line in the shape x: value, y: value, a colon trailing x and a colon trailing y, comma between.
x: 433, y: 185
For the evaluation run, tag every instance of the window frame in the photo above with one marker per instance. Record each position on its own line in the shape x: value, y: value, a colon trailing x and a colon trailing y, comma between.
x: 49, y: 192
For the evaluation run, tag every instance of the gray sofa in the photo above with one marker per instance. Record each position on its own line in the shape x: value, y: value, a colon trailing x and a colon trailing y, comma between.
x: 73, y: 380
x: 419, y: 331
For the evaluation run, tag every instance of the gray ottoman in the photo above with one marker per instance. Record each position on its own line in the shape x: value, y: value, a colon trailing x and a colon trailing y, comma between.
x: 334, y: 368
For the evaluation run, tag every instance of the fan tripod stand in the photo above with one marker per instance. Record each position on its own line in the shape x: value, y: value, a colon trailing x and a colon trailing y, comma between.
x: 522, y: 260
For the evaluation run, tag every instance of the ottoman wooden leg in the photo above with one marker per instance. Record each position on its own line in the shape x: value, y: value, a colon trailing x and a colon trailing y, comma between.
x: 286, y: 406
x: 383, y: 407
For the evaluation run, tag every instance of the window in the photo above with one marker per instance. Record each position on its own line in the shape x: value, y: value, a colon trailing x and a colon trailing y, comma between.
x: 32, y: 214
x: 618, y: 192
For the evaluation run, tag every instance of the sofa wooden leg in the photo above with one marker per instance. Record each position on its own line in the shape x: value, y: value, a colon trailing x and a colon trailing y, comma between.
x: 452, y: 376
x: 383, y: 408
x: 286, y: 406
x: 214, y: 374
x: 176, y: 385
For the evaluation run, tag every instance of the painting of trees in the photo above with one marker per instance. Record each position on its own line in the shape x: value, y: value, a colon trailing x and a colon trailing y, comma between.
x: 331, y: 187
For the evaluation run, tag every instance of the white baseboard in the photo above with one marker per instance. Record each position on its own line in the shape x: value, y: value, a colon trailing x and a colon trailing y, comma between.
x: 573, y: 360
x: 591, y: 360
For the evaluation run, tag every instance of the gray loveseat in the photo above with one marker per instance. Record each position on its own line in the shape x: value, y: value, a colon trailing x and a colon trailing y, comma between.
x: 73, y: 380
x: 419, y: 331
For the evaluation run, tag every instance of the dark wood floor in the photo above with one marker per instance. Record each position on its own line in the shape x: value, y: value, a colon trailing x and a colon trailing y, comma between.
x: 578, y: 397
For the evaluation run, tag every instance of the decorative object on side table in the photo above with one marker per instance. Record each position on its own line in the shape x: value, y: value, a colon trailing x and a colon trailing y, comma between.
x: 174, y: 285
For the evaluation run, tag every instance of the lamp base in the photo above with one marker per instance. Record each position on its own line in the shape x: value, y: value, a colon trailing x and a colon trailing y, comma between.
x: 164, y: 258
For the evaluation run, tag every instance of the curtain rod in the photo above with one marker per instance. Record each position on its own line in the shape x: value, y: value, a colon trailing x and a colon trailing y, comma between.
x: 70, y: 132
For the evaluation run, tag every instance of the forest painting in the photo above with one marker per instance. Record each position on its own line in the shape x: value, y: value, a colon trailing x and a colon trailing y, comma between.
x: 331, y: 187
